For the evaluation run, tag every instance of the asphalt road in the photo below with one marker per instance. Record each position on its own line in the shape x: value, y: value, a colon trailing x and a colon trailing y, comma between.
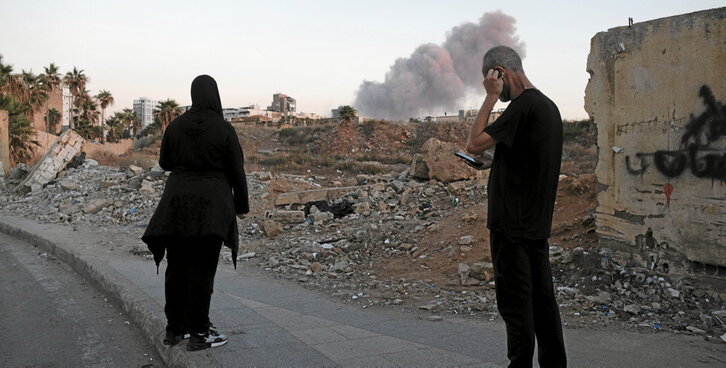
x: 49, y: 317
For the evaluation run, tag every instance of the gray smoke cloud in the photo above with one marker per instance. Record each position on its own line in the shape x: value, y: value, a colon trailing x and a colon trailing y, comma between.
x: 437, y: 77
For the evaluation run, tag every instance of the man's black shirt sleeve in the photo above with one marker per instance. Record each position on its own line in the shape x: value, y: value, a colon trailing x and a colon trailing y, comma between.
x: 504, y: 129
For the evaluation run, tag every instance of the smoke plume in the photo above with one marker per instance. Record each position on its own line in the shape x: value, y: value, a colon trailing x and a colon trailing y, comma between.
x: 435, y: 78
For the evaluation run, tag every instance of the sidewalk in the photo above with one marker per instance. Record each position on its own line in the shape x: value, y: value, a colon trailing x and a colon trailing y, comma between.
x: 277, y: 323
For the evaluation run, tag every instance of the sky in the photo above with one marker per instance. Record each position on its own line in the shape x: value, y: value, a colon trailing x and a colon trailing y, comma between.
x: 316, y: 51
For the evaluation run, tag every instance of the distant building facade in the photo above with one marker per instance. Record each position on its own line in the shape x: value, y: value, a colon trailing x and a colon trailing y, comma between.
x: 66, y: 112
x: 466, y: 116
x: 144, y: 108
x: 282, y: 103
x: 446, y: 119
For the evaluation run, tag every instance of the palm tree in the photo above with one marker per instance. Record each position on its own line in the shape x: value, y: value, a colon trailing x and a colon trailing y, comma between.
x: 76, y: 82
x: 89, y: 108
x: 104, y: 99
x: 20, y: 132
x: 116, y: 127
x: 130, y: 121
x: 5, y: 71
x: 37, y: 92
x: 52, y: 118
x: 87, y: 116
x: 14, y: 86
x: 347, y: 113
x: 168, y: 110
x: 51, y: 77
x: 51, y: 80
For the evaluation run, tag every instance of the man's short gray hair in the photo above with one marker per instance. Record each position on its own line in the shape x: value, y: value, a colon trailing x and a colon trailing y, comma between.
x: 501, y: 56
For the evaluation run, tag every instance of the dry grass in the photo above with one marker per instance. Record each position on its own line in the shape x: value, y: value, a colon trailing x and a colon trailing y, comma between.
x: 127, y: 159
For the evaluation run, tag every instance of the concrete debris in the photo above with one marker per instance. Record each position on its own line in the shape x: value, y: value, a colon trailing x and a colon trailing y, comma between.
x: 336, y: 239
x: 18, y: 172
x: 68, y: 185
x: 476, y: 273
x: 556, y: 251
x: 673, y: 293
x: 246, y: 256
x: 156, y: 172
x: 271, y: 228
x: 418, y: 169
x: 96, y: 205
x: 632, y: 309
x: 134, y: 170
x: 55, y: 160
x: 482, y: 271
x: 287, y: 217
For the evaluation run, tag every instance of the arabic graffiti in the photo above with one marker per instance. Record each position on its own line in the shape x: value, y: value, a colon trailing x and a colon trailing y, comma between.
x: 695, y: 150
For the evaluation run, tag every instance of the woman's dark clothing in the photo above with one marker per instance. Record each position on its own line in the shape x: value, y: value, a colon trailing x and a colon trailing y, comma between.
x: 197, y: 211
x: 192, y: 264
x: 207, y: 186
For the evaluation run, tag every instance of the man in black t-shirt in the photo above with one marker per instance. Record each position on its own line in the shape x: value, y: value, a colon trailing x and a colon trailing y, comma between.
x: 522, y: 190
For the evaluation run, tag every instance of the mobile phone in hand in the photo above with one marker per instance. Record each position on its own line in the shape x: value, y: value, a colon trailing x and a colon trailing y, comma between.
x: 469, y: 160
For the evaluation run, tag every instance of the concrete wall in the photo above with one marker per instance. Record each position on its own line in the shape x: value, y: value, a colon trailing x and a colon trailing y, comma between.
x: 54, y: 101
x: 657, y: 93
x: 4, y: 142
x: 94, y: 150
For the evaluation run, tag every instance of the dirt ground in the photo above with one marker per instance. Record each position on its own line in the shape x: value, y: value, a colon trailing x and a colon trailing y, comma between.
x: 348, y: 144
x: 573, y: 226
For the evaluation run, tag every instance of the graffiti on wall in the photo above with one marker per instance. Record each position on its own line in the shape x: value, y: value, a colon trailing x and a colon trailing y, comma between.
x: 696, y: 151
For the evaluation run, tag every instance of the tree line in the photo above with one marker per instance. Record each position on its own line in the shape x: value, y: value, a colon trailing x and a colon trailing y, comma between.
x: 24, y: 95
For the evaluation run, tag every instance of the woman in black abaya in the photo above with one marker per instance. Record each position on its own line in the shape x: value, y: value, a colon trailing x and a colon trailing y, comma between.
x: 207, y: 188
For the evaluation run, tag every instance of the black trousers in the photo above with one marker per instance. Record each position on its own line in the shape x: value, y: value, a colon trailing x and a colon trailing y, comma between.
x: 526, y: 300
x: 190, y: 270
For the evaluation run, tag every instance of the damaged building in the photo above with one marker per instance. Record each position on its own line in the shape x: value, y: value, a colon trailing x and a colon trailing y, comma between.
x: 657, y: 94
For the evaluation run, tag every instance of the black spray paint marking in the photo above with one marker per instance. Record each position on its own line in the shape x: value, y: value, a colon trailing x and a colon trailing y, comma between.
x: 695, y: 152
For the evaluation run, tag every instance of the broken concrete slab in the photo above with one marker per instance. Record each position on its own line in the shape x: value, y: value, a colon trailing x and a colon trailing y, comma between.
x: 68, y: 185
x: 57, y: 157
x: 271, y: 228
x: 287, y: 217
x: 96, y: 205
x: 418, y: 168
x: 315, y: 195
x: 482, y: 271
x: 134, y: 170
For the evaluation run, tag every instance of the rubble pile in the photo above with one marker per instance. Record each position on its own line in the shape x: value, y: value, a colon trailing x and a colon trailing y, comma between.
x: 90, y: 194
x: 328, y: 247
x: 333, y: 235
x: 604, y: 287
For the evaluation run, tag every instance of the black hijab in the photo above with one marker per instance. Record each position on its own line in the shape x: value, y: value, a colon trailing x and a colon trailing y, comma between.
x: 205, y: 95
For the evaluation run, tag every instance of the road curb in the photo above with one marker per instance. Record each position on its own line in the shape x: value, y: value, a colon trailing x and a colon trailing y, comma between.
x: 118, y: 289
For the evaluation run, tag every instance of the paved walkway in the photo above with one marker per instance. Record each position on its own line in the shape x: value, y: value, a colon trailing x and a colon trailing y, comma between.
x: 276, y: 323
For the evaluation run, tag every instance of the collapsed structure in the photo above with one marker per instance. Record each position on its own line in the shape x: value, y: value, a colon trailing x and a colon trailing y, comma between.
x: 55, y: 160
x: 656, y: 93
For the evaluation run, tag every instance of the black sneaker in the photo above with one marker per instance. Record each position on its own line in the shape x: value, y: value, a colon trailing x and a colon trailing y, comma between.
x: 210, y: 339
x: 172, y: 339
